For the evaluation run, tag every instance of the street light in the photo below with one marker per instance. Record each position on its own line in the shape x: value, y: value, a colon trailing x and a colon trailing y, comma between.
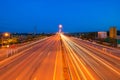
x: 6, y: 34
x: 60, y: 28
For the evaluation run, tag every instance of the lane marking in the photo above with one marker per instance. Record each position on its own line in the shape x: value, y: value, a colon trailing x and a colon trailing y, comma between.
x: 35, y: 78
x: 54, y: 75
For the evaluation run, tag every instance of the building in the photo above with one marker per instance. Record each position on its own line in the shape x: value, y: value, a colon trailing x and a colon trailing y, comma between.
x: 113, y: 32
x: 102, y: 35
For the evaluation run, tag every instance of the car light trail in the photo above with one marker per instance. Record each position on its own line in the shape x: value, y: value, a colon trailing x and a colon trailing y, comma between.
x: 60, y: 57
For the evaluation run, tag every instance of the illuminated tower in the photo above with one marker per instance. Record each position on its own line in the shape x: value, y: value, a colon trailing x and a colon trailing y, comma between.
x: 60, y: 28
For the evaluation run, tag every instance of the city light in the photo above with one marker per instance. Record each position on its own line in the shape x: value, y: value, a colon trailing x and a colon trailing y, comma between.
x: 60, y: 40
x: 6, y: 34
x: 60, y: 26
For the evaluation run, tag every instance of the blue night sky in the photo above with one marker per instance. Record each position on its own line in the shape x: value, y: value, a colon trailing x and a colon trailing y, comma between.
x: 74, y: 15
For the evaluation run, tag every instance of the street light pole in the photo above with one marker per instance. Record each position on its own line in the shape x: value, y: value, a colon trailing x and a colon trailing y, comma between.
x: 2, y: 40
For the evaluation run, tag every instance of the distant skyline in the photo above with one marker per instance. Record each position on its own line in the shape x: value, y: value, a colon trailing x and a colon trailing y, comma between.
x: 46, y: 15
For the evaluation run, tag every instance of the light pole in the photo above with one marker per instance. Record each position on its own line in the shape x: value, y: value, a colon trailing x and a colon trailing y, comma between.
x: 2, y: 41
x: 60, y: 28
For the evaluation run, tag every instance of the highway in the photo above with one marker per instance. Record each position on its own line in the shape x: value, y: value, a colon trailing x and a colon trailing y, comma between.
x: 61, y: 58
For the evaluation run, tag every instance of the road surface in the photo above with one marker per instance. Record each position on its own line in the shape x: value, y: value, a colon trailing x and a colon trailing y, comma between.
x: 61, y: 58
